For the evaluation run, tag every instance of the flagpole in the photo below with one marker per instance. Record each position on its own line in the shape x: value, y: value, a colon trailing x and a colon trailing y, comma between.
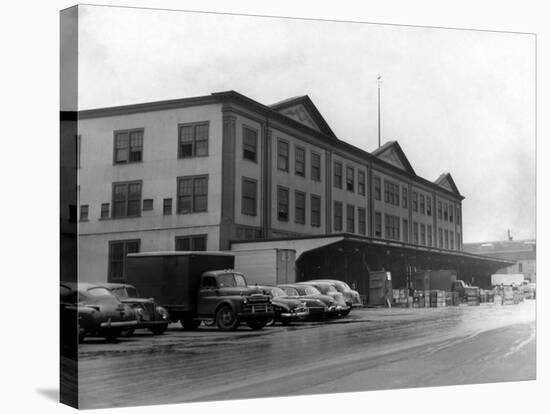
x: 378, y: 79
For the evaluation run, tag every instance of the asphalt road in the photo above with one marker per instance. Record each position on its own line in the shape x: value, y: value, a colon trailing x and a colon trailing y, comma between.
x: 369, y: 350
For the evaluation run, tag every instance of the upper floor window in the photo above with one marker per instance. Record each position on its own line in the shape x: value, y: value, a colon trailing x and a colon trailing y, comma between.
x: 451, y: 209
x: 282, y: 203
x: 439, y: 210
x: 193, y: 140
x: 415, y: 201
x: 192, y: 194
x: 429, y: 206
x: 128, y: 146
x: 377, y: 224
x: 282, y: 155
x: 452, y: 240
x: 440, y: 234
x: 405, y: 197
x: 84, y: 212
x: 337, y: 175
x: 126, y: 199
x: 430, y: 235
x: 300, y: 207
x: 249, y: 197
x: 391, y: 193
x: 300, y: 161
x: 405, y: 230
x: 315, y: 166
x: 315, y: 211
x: 350, y: 177
x: 104, y: 210
x: 361, y: 182
x: 337, y: 216
x: 350, y: 218
x: 167, y: 206
x: 423, y: 234
x: 422, y: 204
x: 250, y: 144
x: 458, y: 216
x: 445, y: 212
x: 415, y: 232
x: 392, y: 227
x: 362, y: 220
x: 377, y: 188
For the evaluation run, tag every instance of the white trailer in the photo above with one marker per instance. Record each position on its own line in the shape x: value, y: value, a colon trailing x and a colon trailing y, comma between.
x: 507, y: 279
x: 268, y: 266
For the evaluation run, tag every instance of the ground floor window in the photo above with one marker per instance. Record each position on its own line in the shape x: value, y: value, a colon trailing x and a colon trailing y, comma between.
x: 191, y: 243
x: 118, y: 250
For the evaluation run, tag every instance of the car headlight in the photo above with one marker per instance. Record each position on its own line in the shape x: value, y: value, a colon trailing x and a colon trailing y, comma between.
x: 245, y: 301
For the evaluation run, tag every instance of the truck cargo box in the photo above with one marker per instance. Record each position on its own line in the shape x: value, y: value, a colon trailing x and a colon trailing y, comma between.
x: 434, y: 279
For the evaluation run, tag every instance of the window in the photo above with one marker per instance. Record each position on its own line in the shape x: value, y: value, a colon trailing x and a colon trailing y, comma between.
x: 337, y: 175
x: 452, y: 239
x: 193, y: 140
x: 337, y: 216
x: 250, y: 143
x: 282, y: 203
x: 350, y: 177
x: 377, y: 224
x: 315, y: 166
x: 315, y: 211
x: 118, y: 250
x: 415, y: 232
x: 446, y: 239
x: 84, y: 212
x: 167, y: 206
x: 391, y: 193
x: 300, y: 161
x: 128, y: 146
x: 248, y: 233
x: 520, y: 267
x: 300, y: 207
x: 147, y: 204
x: 282, y: 155
x: 377, y: 188
x: 361, y: 182
x: 451, y: 209
x: 249, y: 197
x: 439, y: 211
x: 429, y: 206
x: 430, y: 234
x: 422, y: 204
x: 445, y: 212
x: 440, y: 231
x: 415, y: 201
x: 392, y: 227
x: 405, y: 230
x: 362, y: 220
x: 350, y: 218
x: 126, y: 199
x: 195, y: 243
x: 423, y: 234
x: 192, y: 194
x: 458, y: 216
x: 104, y: 210
x: 405, y: 197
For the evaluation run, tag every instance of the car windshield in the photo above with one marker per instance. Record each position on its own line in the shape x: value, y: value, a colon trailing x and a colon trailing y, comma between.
x: 125, y: 292
x: 99, y: 292
x: 342, y: 287
x: 310, y: 290
x: 231, y: 280
x: 275, y: 291
x: 291, y: 291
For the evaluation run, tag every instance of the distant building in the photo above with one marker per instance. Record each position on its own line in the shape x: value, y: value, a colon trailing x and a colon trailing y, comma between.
x: 523, y: 252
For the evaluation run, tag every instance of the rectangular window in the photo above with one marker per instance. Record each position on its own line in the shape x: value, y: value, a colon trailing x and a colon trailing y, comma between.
x: 361, y: 182
x: 315, y: 166
x: 377, y: 188
x: 391, y: 193
x: 452, y: 239
x: 439, y: 211
x: 104, y: 210
x: 377, y: 224
x: 193, y: 140
x: 84, y: 212
x: 300, y: 207
x: 167, y: 206
x: 118, y: 250
x: 362, y: 221
x: 451, y: 209
x: 430, y: 236
x: 300, y: 161
x: 249, y: 197
x: 422, y: 204
x: 446, y: 239
x: 405, y: 230
x: 250, y: 143
x: 337, y: 216
x: 440, y: 233
x: 415, y: 232
x: 282, y: 203
x: 126, y: 199
x: 423, y: 234
x: 147, y: 204
x: 315, y: 211
x: 405, y: 197
x: 429, y: 206
x: 337, y: 175
x: 128, y: 146
x: 415, y: 201
x: 445, y: 212
x: 282, y: 155
x: 195, y: 243
x: 192, y: 194
x: 392, y: 227
x: 350, y: 218
x: 350, y: 178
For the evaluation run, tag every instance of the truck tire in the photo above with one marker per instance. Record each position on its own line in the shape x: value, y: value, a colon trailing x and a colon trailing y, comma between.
x: 256, y: 325
x: 226, y: 320
x: 159, y: 330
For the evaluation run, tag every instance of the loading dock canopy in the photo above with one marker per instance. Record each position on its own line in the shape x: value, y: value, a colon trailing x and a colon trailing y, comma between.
x: 300, y: 245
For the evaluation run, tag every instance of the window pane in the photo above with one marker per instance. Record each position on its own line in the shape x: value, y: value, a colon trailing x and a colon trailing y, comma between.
x: 199, y: 243
x: 201, y: 148
x: 134, y: 207
x: 121, y: 140
x: 136, y: 140
x: 201, y: 203
x: 167, y: 206
x: 134, y: 191
x: 202, y: 132
x: 184, y: 204
x: 201, y: 186
x: 183, y: 244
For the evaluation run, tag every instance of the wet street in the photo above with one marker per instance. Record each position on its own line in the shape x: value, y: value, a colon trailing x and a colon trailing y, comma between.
x: 370, y: 349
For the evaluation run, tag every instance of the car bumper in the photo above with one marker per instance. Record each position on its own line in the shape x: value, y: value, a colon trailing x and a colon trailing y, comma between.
x: 255, y: 316
x: 293, y: 316
x: 122, y: 324
x: 152, y: 324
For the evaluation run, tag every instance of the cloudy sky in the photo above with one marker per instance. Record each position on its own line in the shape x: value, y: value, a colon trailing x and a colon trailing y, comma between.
x: 457, y: 101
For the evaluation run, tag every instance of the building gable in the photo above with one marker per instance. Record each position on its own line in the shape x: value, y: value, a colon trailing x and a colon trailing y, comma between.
x: 446, y: 181
x: 392, y: 153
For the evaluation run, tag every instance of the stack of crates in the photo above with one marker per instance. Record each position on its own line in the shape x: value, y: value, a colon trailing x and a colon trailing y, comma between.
x: 472, y: 297
x: 400, y: 297
x: 419, y: 299
x: 437, y: 298
x: 482, y: 295
x: 507, y: 295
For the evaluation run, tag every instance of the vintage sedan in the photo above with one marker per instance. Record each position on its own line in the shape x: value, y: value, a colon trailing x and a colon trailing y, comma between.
x: 328, y: 289
x: 316, y: 308
x: 150, y: 315
x: 307, y: 291
x: 351, y: 296
x: 100, y: 313
x: 286, y: 309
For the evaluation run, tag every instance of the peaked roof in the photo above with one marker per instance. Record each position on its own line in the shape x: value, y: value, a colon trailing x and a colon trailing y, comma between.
x: 446, y: 181
x: 392, y: 153
x: 302, y: 109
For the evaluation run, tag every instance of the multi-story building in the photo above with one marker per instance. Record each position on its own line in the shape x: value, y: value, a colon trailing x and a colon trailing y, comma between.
x: 200, y: 173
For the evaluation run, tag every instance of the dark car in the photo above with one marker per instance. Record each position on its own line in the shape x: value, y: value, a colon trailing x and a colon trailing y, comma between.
x: 351, y: 296
x: 308, y: 291
x: 328, y: 289
x: 316, y: 308
x: 100, y: 313
x: 150, y: 315
x: 285, y: 308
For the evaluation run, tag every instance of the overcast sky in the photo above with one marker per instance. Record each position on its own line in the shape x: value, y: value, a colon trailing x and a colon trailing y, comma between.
x: 456, y: 101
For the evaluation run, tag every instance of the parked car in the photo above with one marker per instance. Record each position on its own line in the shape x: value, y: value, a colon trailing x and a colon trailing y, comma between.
x: 351, y: 296
x: 286, y: 309
x: 308, y: 291
x: 317, y: 309
x: 150, y: 315
x: 99, y: 311
x: 328, y: 289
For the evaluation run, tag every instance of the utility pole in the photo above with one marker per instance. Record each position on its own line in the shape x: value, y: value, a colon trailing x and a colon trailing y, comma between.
x: 379, y: 82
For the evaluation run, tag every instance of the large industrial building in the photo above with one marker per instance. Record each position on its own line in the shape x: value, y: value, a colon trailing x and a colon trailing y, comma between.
x: 224, y: 172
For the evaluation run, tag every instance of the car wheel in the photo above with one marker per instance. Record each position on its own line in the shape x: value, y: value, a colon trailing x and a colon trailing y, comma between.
x: 256, y: 325
x: 190, y: 324
x: 270, y: 322
x: 159, y: 330
x: 226, y: 320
